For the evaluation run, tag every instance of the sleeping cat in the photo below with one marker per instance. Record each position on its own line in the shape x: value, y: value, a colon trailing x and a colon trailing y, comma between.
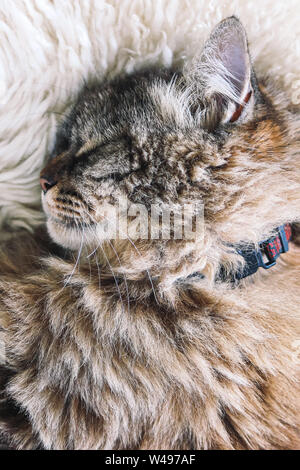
x: 161, y: 343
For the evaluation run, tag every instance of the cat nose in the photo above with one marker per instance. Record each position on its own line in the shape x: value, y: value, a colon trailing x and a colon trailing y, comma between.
x: 51, y: 173
x: 47, y: 183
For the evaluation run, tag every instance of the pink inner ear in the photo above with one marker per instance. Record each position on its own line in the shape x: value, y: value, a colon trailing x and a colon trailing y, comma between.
x: 240, y: 108
x: 233, y: 55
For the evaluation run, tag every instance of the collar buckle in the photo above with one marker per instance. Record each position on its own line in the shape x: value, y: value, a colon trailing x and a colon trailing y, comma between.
x: 264, y: 257
x: 272, y: 254
x: 261, y: 263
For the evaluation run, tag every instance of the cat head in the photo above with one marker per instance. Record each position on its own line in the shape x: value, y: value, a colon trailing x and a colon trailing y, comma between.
x: 210, y: 133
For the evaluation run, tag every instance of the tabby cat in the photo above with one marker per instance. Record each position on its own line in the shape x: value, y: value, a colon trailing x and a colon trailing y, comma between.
x: 161, y: 343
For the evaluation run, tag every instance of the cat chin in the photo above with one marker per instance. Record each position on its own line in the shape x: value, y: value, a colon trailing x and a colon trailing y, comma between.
x: 67, y: 237
x: 73, y: 238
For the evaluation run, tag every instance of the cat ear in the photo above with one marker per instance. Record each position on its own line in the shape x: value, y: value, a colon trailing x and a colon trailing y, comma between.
x: 222, y: 74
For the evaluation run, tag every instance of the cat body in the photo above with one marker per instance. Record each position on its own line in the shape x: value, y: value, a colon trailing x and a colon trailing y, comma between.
x: 138, y: 344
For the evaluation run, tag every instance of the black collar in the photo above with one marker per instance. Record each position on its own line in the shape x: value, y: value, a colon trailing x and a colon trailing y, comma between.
x: 265, y: 257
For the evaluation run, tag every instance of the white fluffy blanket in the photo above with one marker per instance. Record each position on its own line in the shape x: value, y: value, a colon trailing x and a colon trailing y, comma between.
x: 49, y: 47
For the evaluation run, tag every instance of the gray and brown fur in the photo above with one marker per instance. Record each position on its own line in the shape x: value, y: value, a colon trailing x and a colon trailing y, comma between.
x: 128, y: 351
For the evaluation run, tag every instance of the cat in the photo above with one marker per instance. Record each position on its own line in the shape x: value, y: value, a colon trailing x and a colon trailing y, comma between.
x: 128, y: 343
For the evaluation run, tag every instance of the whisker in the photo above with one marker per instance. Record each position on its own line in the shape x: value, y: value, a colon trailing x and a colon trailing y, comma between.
x: 116, y: 282
x: 77, y: 260
x: 90, y: 269
x: 148, y: 273
x: 94, y: 251
x: 81, y: 228
x: 135, y: 247
x: 99, y: 272
x: 124, y: 276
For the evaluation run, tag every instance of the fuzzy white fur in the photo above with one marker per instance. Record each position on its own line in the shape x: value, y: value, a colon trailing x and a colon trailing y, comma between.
x: 48, y: 48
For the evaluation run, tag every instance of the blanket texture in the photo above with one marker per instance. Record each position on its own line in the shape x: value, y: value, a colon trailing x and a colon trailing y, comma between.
x: 49, y: 48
